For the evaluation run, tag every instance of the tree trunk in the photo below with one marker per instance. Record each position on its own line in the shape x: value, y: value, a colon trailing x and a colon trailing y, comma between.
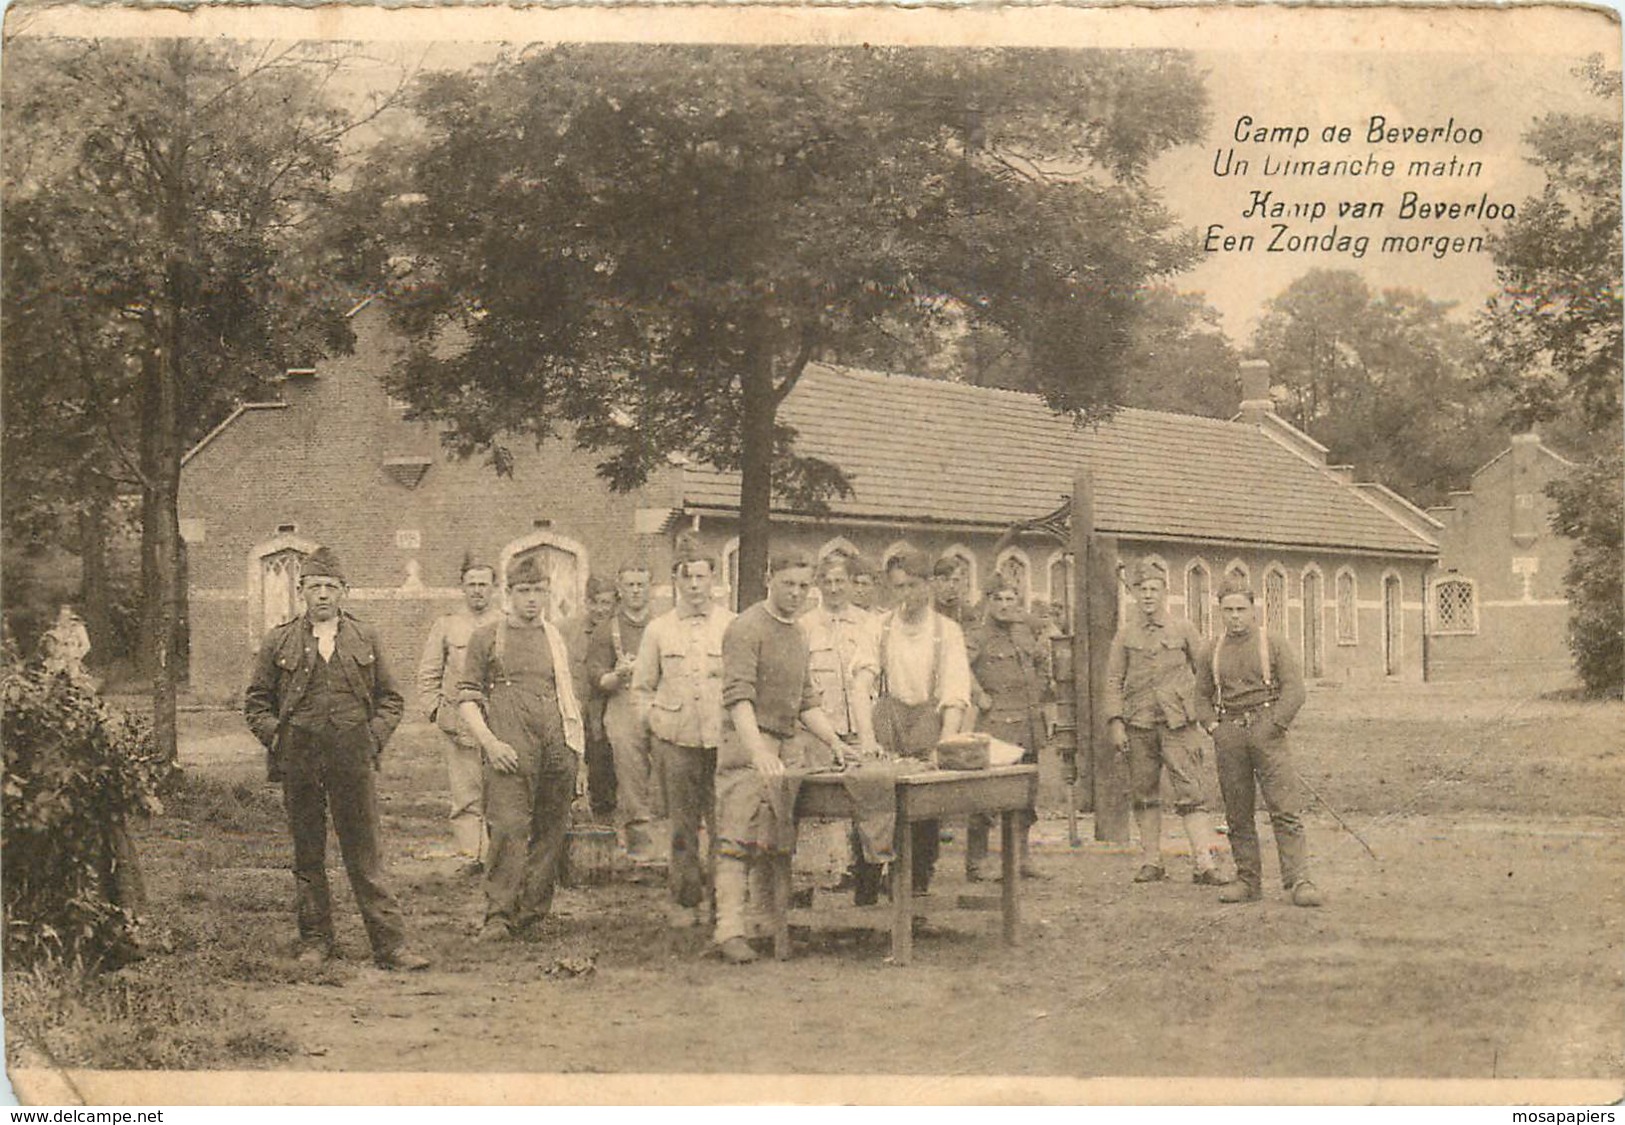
x: 160, y: 522
x: 756, y: 481
x: 93, y: 582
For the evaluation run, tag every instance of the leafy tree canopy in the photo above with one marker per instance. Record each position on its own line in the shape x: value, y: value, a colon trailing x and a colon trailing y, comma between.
x: 672, y: 233
x: 1387, y: 381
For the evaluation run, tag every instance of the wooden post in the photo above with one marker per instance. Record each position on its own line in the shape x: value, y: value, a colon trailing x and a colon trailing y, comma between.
x: 1103, y: 776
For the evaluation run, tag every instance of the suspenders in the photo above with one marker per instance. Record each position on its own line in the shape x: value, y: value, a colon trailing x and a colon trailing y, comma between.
x: 1263, y: 664
x: 936, y: 651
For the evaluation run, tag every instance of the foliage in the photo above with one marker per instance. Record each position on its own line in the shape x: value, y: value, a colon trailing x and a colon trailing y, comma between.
x: 1556, y: 338
x: 1179, y: 358
x: 163, y: 208
x: 1589, y: 503
x: 648, y: 244
x: 148, y: 1017
x: 1386, y: 381
x: 75, y: 773
x: 1555, y: 331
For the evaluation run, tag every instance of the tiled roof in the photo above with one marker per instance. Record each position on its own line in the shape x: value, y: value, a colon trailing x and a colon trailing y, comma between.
x: 923, y: 450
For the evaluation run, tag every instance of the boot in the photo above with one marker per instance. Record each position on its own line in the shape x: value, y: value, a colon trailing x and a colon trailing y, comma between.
x: 1149, y: 819
x: 732, y: 879
x: 1204, y: 845
x: 976, y: 839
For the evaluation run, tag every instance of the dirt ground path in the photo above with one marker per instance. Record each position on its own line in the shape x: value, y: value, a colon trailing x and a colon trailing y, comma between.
x: 1486, y: 940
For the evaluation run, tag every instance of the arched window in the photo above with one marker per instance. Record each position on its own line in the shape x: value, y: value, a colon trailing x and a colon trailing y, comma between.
x: 273, y: 582
x: 1314, y: 621
x: 1275, y: 616
x: 901, y: 547
x: 730, y: 573
x: 1393, y: 624
x: 1238, y: 569
x: 967, y: 560
x: 1013, y: 565
x: 1058, y: 572
x: 840, y: 543
x: 1348, y: 617
x: 279, y: 587
x: 1455, y: 607
x: 1199, y: 596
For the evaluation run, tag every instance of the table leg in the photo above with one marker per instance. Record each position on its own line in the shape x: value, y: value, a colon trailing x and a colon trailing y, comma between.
x: 902, y: 895
x: 1012, y: 876
x: 781, y: 905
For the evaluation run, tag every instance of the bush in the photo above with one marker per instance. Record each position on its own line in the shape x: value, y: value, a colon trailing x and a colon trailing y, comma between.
x: 1589, y: 503
x: 75, y: 772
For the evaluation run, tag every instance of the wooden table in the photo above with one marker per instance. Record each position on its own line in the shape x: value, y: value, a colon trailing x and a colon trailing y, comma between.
x: 931, y: 795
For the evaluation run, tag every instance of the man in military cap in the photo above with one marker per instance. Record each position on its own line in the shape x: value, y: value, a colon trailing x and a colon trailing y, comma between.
x: 611, y: 659
x: 439, y: 669
x: 1152, y: 711
x: 949, y: 596
x: 517, y: 699
x: 323, y: 704
x: 578, y: 634
x: 1250, y: 687
x: 1010, y: 674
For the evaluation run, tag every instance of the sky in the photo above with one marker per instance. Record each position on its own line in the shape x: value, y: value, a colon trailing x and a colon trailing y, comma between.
x: 1500, y: 94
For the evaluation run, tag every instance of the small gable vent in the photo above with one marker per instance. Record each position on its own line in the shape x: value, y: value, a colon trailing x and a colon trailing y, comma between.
x: 406, y: 471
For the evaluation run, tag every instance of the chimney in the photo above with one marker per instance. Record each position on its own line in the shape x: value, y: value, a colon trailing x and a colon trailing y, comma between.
x: 1255, y: 391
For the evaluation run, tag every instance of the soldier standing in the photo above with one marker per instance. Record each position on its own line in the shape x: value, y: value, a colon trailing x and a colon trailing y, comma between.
x: 924, y: 690
x: 611, y: 657
x: 767, y: 687
x: 1010, y: 671
x: 439, y: 670
x: 517, y: 700
x: 578, y: 636
x: 1152, y: 711
x: 1251, y: 688
x: 323, y: 704
x: 678, y: 682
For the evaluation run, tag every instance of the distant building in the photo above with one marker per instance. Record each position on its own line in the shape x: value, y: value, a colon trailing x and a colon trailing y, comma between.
x: 944, y: 467
x: 1496, y: 604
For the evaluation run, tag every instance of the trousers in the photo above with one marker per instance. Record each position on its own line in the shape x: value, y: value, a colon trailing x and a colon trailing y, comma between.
x: 332, y: 771
x: 465, y: 777
x: 1261, y: 751
x: 691, y: 798
x: 528, y: 815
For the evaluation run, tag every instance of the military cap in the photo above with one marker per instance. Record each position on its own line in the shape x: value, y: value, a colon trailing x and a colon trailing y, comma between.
x: 915, y: 564
x: 1235, y: 584
x: 525, y: 570
x: 321, y: 563
x: 946, y: 567
x: 1145, y: 569
x: 597, y: 585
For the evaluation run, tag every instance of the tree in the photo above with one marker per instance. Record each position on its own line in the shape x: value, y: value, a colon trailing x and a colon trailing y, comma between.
x: 1557, y: 340
x: 160, y: 200
x: 1180, y: 359
x: 670, y: 234
x: 1388, y: 382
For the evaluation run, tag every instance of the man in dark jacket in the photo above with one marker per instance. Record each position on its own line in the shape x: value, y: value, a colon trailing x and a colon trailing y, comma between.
x: 323, y: 704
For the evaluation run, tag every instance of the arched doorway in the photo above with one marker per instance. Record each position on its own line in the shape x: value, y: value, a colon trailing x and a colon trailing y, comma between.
x: 1313, y: 598
x: 1391, y: 632
x: 563, y: 560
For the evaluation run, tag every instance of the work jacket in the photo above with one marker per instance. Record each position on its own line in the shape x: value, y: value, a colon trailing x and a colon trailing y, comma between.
x: 282, y: 673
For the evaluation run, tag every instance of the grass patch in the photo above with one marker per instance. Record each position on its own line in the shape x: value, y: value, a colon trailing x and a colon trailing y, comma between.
x: 145, y: 1017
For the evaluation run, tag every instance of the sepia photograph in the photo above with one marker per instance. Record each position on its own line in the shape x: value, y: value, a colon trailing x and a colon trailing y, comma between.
x: 721, y: 554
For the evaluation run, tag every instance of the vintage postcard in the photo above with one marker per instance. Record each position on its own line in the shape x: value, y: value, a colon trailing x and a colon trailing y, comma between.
x: 820, y: 554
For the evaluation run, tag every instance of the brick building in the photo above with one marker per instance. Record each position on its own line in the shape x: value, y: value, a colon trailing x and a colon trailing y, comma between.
x: 1496, y: 605
x: 937, y: 466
